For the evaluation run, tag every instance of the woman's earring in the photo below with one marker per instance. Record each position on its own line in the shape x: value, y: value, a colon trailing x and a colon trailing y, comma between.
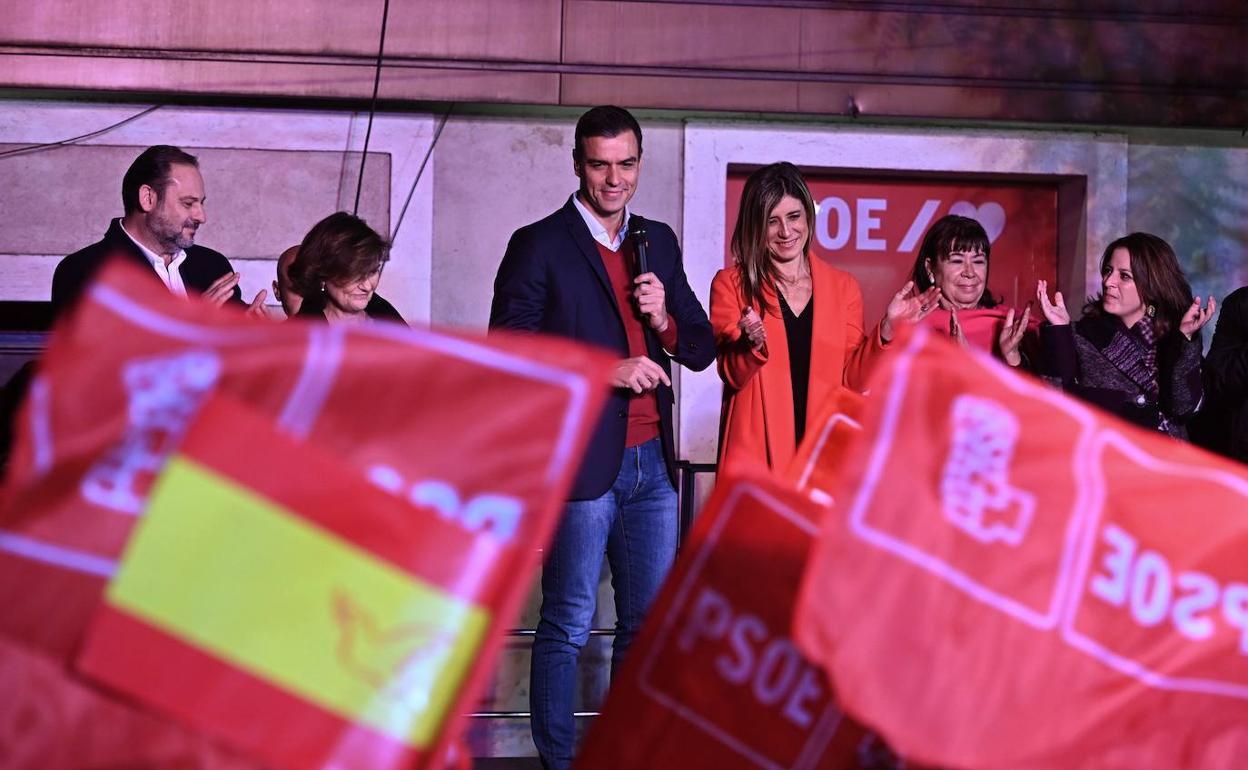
x: 1151, y: 311
x: 930, y: 278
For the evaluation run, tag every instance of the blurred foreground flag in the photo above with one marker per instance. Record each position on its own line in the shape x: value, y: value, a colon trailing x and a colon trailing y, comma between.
x: 1012, y: 579
x: 302, y: 624
x: 816, y: 468
x: 713, y: 679
x: 310, y: 535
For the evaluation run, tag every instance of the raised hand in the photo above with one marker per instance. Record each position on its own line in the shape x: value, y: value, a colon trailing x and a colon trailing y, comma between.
x: 256, y: 308
x: 1195, y: 317
x: 909, y: 306
x: 955, y: 328
x: 1012, y: 336
x: 221, y: 289
x: 1054, y: 312
x: 751, y: 327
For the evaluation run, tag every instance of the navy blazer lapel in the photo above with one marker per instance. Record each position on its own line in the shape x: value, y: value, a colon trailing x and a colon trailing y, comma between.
x: 580, y: 234
x: 119, y: 242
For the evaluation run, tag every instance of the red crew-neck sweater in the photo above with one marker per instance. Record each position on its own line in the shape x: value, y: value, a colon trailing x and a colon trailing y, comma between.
x: 643, y: 409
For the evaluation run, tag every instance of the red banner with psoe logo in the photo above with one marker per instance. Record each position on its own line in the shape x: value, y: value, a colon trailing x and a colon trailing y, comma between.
x: 1031, y: 583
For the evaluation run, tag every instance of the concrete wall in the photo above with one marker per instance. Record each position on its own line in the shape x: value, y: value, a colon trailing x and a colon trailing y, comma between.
x: 1191, y: 188
x: 269, y: 176
x: 497, y: 174
x: 1143, y: 62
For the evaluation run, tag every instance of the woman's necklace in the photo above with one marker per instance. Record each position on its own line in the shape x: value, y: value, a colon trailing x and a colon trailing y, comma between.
x: 796, y: 290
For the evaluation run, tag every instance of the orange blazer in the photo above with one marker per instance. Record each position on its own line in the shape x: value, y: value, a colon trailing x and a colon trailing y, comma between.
x: 756, y: 417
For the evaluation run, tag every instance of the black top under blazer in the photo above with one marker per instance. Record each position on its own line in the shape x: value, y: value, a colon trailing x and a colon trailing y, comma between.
x: 552, y: 280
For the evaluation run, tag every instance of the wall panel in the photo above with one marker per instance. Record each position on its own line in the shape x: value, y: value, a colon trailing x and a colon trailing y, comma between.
x: 1054, y: 61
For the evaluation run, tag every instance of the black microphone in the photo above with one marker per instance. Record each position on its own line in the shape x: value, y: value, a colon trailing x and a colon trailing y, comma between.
x: 637, y: 230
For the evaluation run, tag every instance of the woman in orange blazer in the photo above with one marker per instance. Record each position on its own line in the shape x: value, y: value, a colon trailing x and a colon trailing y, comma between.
x: 788, y: 328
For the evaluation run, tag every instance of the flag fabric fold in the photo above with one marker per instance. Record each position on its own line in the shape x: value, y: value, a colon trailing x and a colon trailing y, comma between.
x: 234, y: 521
x: 1012, y: 579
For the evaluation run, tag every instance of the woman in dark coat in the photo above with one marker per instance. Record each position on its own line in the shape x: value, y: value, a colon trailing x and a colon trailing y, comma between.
x: 337, y: 271
x: 1136, y: 351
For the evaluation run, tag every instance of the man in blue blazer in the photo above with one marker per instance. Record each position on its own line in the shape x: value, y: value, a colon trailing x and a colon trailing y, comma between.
x: 594, y: 272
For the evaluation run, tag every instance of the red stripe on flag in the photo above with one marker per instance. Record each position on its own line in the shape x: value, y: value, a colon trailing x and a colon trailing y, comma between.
x: 303, y: 478
x: 225, y: 701
x: 46, y: 606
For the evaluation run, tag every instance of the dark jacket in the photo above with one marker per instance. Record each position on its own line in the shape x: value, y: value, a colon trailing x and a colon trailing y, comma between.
x: 552, y: 280
x: 1222, y: 424
x: 1074, y: 358
x: 201, y: 268
x: 377, y: 309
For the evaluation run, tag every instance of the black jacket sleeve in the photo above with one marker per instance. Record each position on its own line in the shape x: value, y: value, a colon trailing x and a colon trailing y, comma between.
x: 520, y: 293
x: 1181, y: 387
x: 1226, y: 365
x: 1059, y: 361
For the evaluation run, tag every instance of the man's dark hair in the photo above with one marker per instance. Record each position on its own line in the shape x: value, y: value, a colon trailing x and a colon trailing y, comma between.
x: 340, y: 247
x: 151, y: 168
x: 605, y: 121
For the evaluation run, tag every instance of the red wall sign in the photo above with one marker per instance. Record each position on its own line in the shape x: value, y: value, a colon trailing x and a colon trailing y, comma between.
x: 873, y: 228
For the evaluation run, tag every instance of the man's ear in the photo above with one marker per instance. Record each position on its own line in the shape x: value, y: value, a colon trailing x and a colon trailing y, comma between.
x: 148, y: 198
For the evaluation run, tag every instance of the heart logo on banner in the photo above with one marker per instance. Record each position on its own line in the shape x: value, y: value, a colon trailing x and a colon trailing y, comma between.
x: 990, y: 215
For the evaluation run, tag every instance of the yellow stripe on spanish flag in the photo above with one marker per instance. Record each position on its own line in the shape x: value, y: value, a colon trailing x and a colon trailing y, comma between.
x: 254, y: 584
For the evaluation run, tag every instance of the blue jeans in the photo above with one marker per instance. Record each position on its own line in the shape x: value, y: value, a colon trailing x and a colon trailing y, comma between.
x: 635, y: 522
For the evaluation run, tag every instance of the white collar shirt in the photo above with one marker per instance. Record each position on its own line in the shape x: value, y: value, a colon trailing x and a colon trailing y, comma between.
x: 596, y: 228
x: 170, y: 276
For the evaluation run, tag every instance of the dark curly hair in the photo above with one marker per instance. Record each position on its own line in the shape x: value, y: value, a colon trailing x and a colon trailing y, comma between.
x: 338, y: 248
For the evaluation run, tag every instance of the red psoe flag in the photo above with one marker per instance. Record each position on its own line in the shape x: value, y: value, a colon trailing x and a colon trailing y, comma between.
x: 480, y: 436
x: 816, y: 468
x: 713, y: 680
x: 1015, y: 580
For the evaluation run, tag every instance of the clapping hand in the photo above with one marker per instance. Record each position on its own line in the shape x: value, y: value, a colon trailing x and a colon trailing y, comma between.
x: 955, y: 328
x: 1054, y: 312
x: 752, y: 328
x: 1195, y: 317
x: 220, y: 291
x: 256, y: 308
x: 1012, y: 336
x: 908, y: 305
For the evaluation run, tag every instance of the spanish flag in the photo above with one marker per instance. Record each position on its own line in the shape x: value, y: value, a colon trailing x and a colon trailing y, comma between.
x: 273, y: 597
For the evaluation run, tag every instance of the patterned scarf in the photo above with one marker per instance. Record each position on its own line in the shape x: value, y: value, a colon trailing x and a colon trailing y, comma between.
x: 1134, y: 353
